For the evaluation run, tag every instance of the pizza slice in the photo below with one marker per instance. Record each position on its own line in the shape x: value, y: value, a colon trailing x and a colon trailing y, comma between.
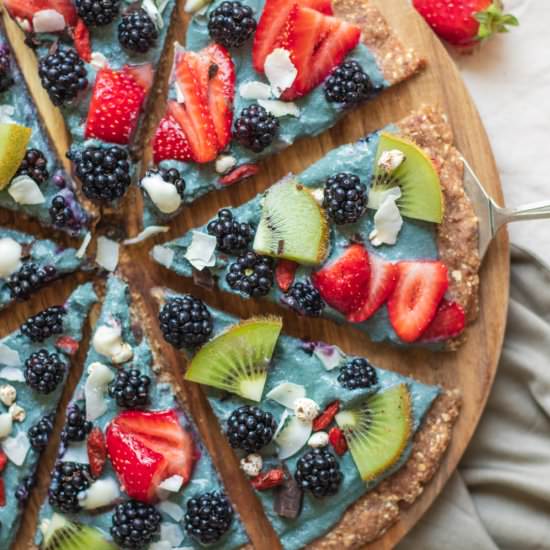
x: 34, y: 362
x: 256, y: 76
x: 332, y: 445
x: 378, y: 234
x: 132, y: 471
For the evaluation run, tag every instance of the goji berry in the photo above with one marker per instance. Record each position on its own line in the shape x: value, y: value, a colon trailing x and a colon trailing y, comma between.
x: 324, y: 419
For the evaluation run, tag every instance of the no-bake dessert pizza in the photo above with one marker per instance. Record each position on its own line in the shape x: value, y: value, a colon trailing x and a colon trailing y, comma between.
x: 256, y: 75
x: 332, y: 445
x: 379, y: 234
x: 34, y: 362
x: 132, y: 471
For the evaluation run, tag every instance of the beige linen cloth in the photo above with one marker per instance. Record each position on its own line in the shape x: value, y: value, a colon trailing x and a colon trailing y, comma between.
x: 499, y: 498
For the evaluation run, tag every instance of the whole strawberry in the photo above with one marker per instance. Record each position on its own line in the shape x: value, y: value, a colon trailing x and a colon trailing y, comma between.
x: 465, y: 22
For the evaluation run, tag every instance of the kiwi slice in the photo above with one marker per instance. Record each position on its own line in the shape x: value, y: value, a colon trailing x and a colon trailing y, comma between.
x: 13, y: 145
x: 421, y: 196
x: 63, y: 534
x: 237, y: 360
x: 293, y: 225
x: 378, y: 430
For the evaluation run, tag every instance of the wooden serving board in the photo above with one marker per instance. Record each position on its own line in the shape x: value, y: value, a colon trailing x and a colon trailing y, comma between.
x: 471, y: 369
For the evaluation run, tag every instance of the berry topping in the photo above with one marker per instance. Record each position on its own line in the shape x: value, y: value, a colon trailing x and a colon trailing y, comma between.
x: 231, y: 24
x: 68, y: 479
x: 250, y: 428
x: 231, y: 236
x: 104, y: 171
x: 284, y: 274
x: 358, y: 373
x: 44, y: 371
x: 171, y: 175
x: 29, y: 279
x: 239, y: 173
x: 255, y: 128
x: 130, y: 388
x: 170, y: 141
x: 96, y: 13
x: 39, y: 434
x: 268, y: 480
x: 449, y: 322
x: 97, y: 451
x: 208, y: 517
x: 304, y: 298
x: 6, y: 79
x: 349, y: 84
x: 135, y: 524
x: 34, y: 165
x: 137, y: 31
x: 23, y: 490
x: 318, y: 472
x: 63, y: 75
x: 345, y: 198
x: 76, y: 426
x: 82, y: 42
x: 251, y: 274
x: 338, y: 441
x: 47, y: 323
x: 61, y: 213
x: 324, y: 420
x: 185, y: 321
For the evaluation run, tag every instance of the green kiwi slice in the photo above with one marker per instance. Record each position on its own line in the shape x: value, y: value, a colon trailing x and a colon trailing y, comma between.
x: 293, y: 225
x: 378, y: 430
x: 421, y: 196
x: 238, y: 359
x: 63, y: 534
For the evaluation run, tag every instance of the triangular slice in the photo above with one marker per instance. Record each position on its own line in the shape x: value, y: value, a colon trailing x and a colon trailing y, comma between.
x: 312, y: 487
x: 129, y: 448
x: 51, y: 337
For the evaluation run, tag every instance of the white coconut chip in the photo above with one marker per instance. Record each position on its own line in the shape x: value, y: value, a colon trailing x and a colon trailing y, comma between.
x: 98, y: 61
x: 376, y: 198
x: 387, y: 223
x: 286, y: 394
x: 153, y: 12
x: 12, y: 374
x: 171, y: 533
x: 146, y: 234
x: 24, y: 190
x: 330, y: 356
x: 163, y: 255
x: 84, y: 245
x: 279, y: 70
x: 48, y: 21
x: 107, y: 253
x: 76, y: 451
x: 224, y: 163
x: 172, y: 509
x: 6, y: 114
x: 171, y: 484
x: 255, y: 90
x: 201, y: 252
x: 9, y: 357
x: 280, y: 108
x: 10, y: 258
x: 16, y: 448
x: 192, y: 6
x: 292, y: 437
x: 101, y: 492
x: 6, y: 424
x: 99, y: 378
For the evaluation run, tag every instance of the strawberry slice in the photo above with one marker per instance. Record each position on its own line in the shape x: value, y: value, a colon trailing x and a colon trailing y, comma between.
x: 82, y: 44
x: 147, y: 447
x: 3, y: 460
x: 344, y: 283
x: 284, y: 274
x: 383, y: 278
x: 25, y: 9
x: 170, y: 142
x: 114, y: 109
x: 449, y: 321
x: 420, y: 288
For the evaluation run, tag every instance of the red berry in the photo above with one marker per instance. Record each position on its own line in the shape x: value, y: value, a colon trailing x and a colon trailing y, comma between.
x: 324, y: 420
x: 67, y: 345
x: 269, y: 479
x: 284, y: 274
x: 81, y: 37
x: 97, y: 451
x: 338, y: 441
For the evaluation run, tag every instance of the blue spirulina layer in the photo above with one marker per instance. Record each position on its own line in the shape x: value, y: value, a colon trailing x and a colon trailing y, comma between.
x: 26, y: 114
x: 417, y: 240
x: 42, y: 253
x: 294, y: 362
x: 117, y: 307
x: 316, y: 113
x: 35, y: 404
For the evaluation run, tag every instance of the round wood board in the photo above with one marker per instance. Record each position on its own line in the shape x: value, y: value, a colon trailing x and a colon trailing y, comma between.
x: 471, y: 369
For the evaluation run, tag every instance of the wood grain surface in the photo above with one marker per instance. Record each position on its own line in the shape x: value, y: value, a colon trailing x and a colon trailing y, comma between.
x: 471, y: 369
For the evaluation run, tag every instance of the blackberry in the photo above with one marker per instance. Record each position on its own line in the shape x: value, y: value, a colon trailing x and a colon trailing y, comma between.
x: 68, y: 479
x: 137, y: 31
x: 44, y: 371
x: 305, y: 299
x: 185, y: 321
x: 63, y: 75
x: 250, y: 428
x: 135, y: 524
x: 231, y: 24
x: 34, y: 165
x: 358, y: 373
x: 39, y: 434
x: 97, y: 13
x: 23, y: 490
x: 47, y: 323
x: 29, y: 279
x: 103, y: 170
x: 345, y: 198
x: 251, y: 274
x: 6, y: 79
x: 319, y: 472
x: 130, y: 388
x: 231, y: 236
x: 62, y: 214
x: 76, y: 426
x: 255, y: 128
x: 349, y: 84
x: 208, y: 517
x: 170, y: 175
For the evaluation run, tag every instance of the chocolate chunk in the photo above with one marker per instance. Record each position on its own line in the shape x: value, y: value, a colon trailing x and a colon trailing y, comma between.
x: 203, y: 278
x: 288, y: 498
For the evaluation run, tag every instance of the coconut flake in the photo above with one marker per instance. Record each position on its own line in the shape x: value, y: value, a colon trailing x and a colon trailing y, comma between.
x: 12, y: 374
x: 9, y: 357
x: 387, y: 223
x: 175, y: 511
x: 98, y: 61
x: 163, y: 255
x: 48, y: 21
x: 146, y: 233
x: 163, y: 194
x: 101, y: 492
x: 16, y: 448
x: 224, y: 163
x: 108, y: 341
x: 279, y: 70
x: 24, y: 190
x: 330, y: 356
x: 255, y: 90
x: 201, y: 252
x: 6, y: 114
x: 171, y: 484
x: 6, y: 425
x: 76, y: 451
x: 84, y: 245
x: 10, y: 259
x: 192, y: 6
x: 376, y: 198
x: 99, y: 378
x: 280, y: 108
x: 390, y: 160
x: 292, y: 437
x: 153, y: 12
x: 107, y: 253
x: 171, y: 533
x: 286, y: 394
x: 319, y: 195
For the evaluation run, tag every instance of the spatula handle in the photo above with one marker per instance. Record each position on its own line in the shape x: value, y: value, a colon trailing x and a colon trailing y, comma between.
x: 532, y: 211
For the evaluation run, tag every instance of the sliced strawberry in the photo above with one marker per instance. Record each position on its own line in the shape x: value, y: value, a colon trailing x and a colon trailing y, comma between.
x: 114, y: 109
x: 449, y: 321
x: 383, y: 277
x: 147, y: 447
x: 2, y: 493
x: 239, y: 173
x: 284, y: 274
x: 420, y: 288
x: 67, y: 344
x: 25, y: 9
x: 344, y: 283
x: 143, y: 74
x: 170, y: 142
x: 3, y: 460
x: 97, y: 451
x: 81, y: 37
